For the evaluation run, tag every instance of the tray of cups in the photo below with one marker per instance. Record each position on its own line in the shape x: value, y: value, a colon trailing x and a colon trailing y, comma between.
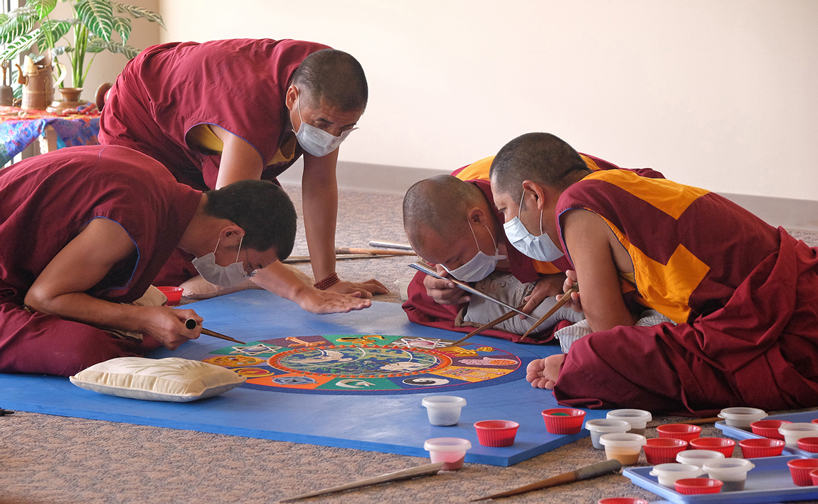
x: 795, y: 425
x: 770, y: 479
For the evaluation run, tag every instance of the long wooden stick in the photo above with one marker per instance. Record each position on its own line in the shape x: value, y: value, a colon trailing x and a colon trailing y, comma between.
x: 191, y: 324
x: 491, y: 324
x: 587, y: 472
x: 564, y: 299
x: 338, y: 257
x: 414, y: 472
x: 699, y: 421
x: 347, y: 250
x: 386, y: 244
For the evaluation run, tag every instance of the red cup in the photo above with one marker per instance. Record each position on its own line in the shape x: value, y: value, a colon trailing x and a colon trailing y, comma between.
x: 815, y: 421
x: 723, y: 445
x: 800, y: 470
x: 679, y: 431
x: 622, y: 500
x: 761, y: 447
x: 174, y: 294
x: 814, y: 476
x: 809, y: 444
x: 768, y: 428
x: 496, y: 433
x: 663, y: 450
x: 563, y: 420
x: 693, y: 486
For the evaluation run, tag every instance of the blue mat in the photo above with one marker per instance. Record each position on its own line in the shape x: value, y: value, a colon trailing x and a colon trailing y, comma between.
x: 390, y: 423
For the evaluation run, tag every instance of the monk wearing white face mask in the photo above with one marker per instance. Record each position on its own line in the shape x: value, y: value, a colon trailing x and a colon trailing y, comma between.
x: 221, y: 111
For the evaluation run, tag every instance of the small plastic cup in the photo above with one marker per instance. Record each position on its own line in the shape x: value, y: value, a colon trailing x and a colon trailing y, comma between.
x: 496, y: 433
x: 763, y: 447
x: 174, y: 294
x: 768, y: 428
x: 723, y: 445
x: 741, y: 417
x: 809, y: 444
x: 667, y: 474
x: 697, y: 457
x: 794, y: 431
x: 604, y: 426
x: 449, y: 450
x: 624, y: 447
x: 663, y: 450
x: 622, y: 500
x: 800, y: 470
x: 814, y: 420
x: 814, y: 476
x: 563, y: 420
x: 443, y: 410
x: 679, y: 431
x: 696, y: 486
x: 636, y: 417
x: 730, y: 471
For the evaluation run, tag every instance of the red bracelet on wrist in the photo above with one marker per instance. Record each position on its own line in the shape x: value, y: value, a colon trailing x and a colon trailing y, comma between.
x: 327, y: 282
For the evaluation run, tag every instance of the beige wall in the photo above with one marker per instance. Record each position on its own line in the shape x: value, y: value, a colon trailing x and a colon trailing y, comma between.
x: 716, y: 94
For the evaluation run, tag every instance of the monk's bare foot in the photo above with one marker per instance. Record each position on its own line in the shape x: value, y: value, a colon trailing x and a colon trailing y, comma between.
x: 543, y: 373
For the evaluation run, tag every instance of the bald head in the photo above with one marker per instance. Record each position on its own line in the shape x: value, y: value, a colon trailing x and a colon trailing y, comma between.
x: 539, y: 157
x: 334, y: 77
x: 439, y: 204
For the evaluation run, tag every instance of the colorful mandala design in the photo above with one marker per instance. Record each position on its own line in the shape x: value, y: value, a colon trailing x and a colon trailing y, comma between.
x: 366, y: 364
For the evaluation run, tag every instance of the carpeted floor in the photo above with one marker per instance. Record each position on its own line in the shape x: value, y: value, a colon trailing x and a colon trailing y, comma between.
x: 47, y: 459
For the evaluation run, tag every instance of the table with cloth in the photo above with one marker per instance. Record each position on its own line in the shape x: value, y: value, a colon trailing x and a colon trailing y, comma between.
x: 19, y: 128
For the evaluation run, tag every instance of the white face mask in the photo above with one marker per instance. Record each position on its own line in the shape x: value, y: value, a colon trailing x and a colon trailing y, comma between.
x: 539, y: 248
x: 478, y: 267
x: 316, y: 141
x: 223, y: 276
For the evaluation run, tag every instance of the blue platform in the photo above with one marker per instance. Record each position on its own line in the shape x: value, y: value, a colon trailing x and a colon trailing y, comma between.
x: 384, y: 423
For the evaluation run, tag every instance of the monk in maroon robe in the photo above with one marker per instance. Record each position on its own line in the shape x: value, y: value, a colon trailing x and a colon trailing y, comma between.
x: 83, y: 232
x: 739, y: 294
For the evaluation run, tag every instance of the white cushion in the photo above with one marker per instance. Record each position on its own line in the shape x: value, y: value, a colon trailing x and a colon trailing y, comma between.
x: 171, y: 379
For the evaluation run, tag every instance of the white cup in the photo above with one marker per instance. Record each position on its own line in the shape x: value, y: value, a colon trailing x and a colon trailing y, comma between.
x: 636, y: 417
x: 604, y: 426
x: 667, y: 474
x: 741, y: 417
x: 443, y: 410
x: 792, y: 432
x: 624, y: 447
x: 697, y: 457
x: 450, y: 451
x: 730, y: 471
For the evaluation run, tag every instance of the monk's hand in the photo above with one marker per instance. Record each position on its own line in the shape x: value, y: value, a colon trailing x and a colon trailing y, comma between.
x: 543, y: 373
x: 547, y: 286
x: 570, y: 280
x: 327, y: 301
x: 167, y: 326
x: 444, y: 291
x: 364, y: 289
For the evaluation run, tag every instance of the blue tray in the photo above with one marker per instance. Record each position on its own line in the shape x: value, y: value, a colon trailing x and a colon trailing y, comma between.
x: 768, y: 481
x: 739, y: 433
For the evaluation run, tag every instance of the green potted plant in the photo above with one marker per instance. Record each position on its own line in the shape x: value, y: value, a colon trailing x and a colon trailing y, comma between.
x: 93, y: 24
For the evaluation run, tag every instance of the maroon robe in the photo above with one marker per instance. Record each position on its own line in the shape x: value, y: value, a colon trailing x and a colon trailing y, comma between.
x: 44, y: 201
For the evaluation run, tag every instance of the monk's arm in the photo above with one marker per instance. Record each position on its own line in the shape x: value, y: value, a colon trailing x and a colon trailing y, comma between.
x: 61, y: 288
x: 240, y: 160
x: 319, y: 188
x: 590, y: 244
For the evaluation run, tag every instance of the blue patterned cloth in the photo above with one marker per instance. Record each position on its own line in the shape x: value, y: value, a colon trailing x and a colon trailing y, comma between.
x: 18, y: 131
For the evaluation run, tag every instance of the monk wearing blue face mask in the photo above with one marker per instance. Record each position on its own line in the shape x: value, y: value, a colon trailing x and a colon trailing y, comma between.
x: 229, y: 110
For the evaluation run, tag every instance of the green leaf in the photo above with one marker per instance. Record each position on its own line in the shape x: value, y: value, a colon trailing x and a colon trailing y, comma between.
x: 3, y: 17
x: 19, y: 22
x: 20, y: 45
x: 97, y: 44
x: 98, y: 16
x: 58, y: 27
x: 43, y: 7
x: 122, y: 25
x: 60, y: 50
x: 139, y: 12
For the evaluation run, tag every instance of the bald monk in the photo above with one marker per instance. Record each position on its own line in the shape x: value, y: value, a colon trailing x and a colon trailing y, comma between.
x: 740, y: 294
x: 471, y: 248
x: 84, y: 231
x: 227, y: 110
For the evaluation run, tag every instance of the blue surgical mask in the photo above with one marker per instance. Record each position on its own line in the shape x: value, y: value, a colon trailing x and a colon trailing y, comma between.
x: 223, y: 276
x: 480, y: 266
x: 539, y: 248
x: 316, y: 141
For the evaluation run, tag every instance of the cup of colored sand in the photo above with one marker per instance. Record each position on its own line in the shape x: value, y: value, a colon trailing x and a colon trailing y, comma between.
x: 636, y: 417
x: 496, y: 433
x: 451, y: 451
x: 763, y: 447
x: 809, y: 444
x: 768, y: 428
x: 667, y: 474
x: 723, y: 445
x: 730, y: 471
x: 697, y: 457
x: 795, y: 431
x: 563, y: 420
x: 443, y: 410
x: 174, y: 294
x: 741, y: 417
x: 663, y: 450
x: 696, y: 486
x: 814, y: 476
x: 800, y: 470
x: 602, y: 426
x: 622, y: 500
x: 679, y: 431
x: 624, y: 447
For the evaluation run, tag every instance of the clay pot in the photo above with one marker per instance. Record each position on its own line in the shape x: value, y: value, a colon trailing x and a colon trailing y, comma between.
x: 70, y: 100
